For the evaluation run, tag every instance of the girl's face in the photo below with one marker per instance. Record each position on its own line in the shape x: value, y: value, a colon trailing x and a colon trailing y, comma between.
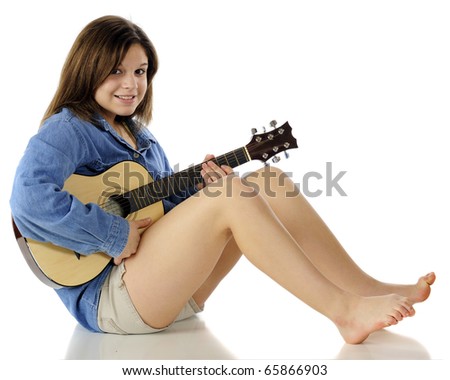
x: 125, y: 87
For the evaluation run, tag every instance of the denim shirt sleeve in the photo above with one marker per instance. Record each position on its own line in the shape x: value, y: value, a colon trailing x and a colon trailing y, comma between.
x: 41, y: 208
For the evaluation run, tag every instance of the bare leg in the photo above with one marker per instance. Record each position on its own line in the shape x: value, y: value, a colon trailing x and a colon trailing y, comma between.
x: 319, y: 243
x: 167, y: 271
x: 229, y: 257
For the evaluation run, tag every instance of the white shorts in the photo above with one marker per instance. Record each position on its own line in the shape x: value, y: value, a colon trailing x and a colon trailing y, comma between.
x: 116, y: 312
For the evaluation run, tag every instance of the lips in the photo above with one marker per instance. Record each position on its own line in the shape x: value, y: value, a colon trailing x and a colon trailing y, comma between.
x: 126, y: 100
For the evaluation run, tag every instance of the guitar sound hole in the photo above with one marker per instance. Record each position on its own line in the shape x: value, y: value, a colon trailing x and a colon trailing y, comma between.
x: 117, y: 205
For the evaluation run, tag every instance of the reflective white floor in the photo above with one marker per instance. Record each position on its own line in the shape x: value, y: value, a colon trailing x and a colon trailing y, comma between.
x: 192, y: 340
x: 256, y: 321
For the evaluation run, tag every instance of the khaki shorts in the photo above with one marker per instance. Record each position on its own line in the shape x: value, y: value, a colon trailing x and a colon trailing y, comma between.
x: 116, y: 312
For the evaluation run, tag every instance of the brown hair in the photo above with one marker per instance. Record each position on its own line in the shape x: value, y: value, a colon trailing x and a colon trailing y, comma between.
x: 99, y: 48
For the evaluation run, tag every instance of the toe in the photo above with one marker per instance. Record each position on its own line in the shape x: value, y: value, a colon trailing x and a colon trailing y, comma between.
x: 391, y: 321
x: 430, y: 278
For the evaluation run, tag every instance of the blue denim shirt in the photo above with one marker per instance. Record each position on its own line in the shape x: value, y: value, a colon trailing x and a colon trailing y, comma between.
x: 65, y: 145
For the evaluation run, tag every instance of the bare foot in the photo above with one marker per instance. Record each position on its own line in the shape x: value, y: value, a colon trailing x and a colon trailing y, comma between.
x: 368, y: 314
x: 421, y: 291
x: 418, y: 292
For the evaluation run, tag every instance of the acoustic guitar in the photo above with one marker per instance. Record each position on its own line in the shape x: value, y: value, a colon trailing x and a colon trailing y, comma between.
x: 128, y: 190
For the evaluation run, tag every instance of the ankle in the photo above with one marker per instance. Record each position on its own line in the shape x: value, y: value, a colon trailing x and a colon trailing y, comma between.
x: 343, y: 307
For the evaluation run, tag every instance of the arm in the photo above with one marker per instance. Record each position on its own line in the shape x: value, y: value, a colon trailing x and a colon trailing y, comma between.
x: 44, y: 212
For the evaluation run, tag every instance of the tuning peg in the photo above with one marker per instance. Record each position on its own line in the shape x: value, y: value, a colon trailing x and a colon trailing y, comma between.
x: 254, y: 131
x: 276, y: 159
x: 273, y: 123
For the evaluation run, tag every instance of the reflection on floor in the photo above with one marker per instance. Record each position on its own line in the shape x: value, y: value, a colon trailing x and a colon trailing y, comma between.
x: 179, y: 342
x: 191, y: 340
x: 385, y: 345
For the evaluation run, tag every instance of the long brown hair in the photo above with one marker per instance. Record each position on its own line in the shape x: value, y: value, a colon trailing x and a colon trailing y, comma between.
x: 98, y: 49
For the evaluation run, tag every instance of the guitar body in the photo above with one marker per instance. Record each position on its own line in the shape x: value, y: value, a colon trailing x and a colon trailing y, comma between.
x: 64, y: 267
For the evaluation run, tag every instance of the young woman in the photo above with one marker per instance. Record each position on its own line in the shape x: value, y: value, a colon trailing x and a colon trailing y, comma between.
x: 97, y: 119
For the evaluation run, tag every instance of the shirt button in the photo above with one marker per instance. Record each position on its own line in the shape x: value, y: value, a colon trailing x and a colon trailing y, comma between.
x: 136, y: 155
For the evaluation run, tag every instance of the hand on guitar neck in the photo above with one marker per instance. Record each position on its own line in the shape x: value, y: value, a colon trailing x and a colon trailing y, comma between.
x: 211, y: 172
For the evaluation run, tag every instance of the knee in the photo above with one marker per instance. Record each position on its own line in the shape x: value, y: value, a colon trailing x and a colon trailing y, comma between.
x: 230, y: 187
x: 271, y: 172
x: 271, y: 181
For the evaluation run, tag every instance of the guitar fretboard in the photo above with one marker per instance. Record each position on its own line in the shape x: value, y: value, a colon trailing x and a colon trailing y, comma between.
x: 179, y: 183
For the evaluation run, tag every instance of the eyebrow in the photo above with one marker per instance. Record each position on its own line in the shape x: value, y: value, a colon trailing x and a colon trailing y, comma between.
x: 142, y: 64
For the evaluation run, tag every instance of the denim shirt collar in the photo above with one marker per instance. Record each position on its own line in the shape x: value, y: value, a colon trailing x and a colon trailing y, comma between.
x: 144, y: 138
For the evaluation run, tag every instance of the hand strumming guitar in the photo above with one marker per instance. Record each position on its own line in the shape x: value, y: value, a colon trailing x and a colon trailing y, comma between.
x: 134, y: 238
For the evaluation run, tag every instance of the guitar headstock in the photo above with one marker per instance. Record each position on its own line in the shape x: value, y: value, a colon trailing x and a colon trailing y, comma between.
x: 264, y: 146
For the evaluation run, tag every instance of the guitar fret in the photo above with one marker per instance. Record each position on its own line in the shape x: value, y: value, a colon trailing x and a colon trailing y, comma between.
x: 132, y: 197
x: 194, y: 175
x: 136, y: 196
x: 233, y: 158
x: 236, y: 157
x: 226, y: 160
x: 151, y: 197
x: 165, y: 186
x: 158, y: 186
x: 190, y: 178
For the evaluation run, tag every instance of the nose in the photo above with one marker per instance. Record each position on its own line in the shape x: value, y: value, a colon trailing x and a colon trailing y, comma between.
x: 129, y: 81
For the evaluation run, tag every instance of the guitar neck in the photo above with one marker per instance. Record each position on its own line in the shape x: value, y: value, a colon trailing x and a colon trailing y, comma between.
x: 180, y: 182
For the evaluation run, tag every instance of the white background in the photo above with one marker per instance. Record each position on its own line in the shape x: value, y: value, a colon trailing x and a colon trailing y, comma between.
x: 365, y: 85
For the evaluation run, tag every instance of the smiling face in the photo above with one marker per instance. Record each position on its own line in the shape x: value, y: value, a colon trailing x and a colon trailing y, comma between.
x: 125, y: 87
